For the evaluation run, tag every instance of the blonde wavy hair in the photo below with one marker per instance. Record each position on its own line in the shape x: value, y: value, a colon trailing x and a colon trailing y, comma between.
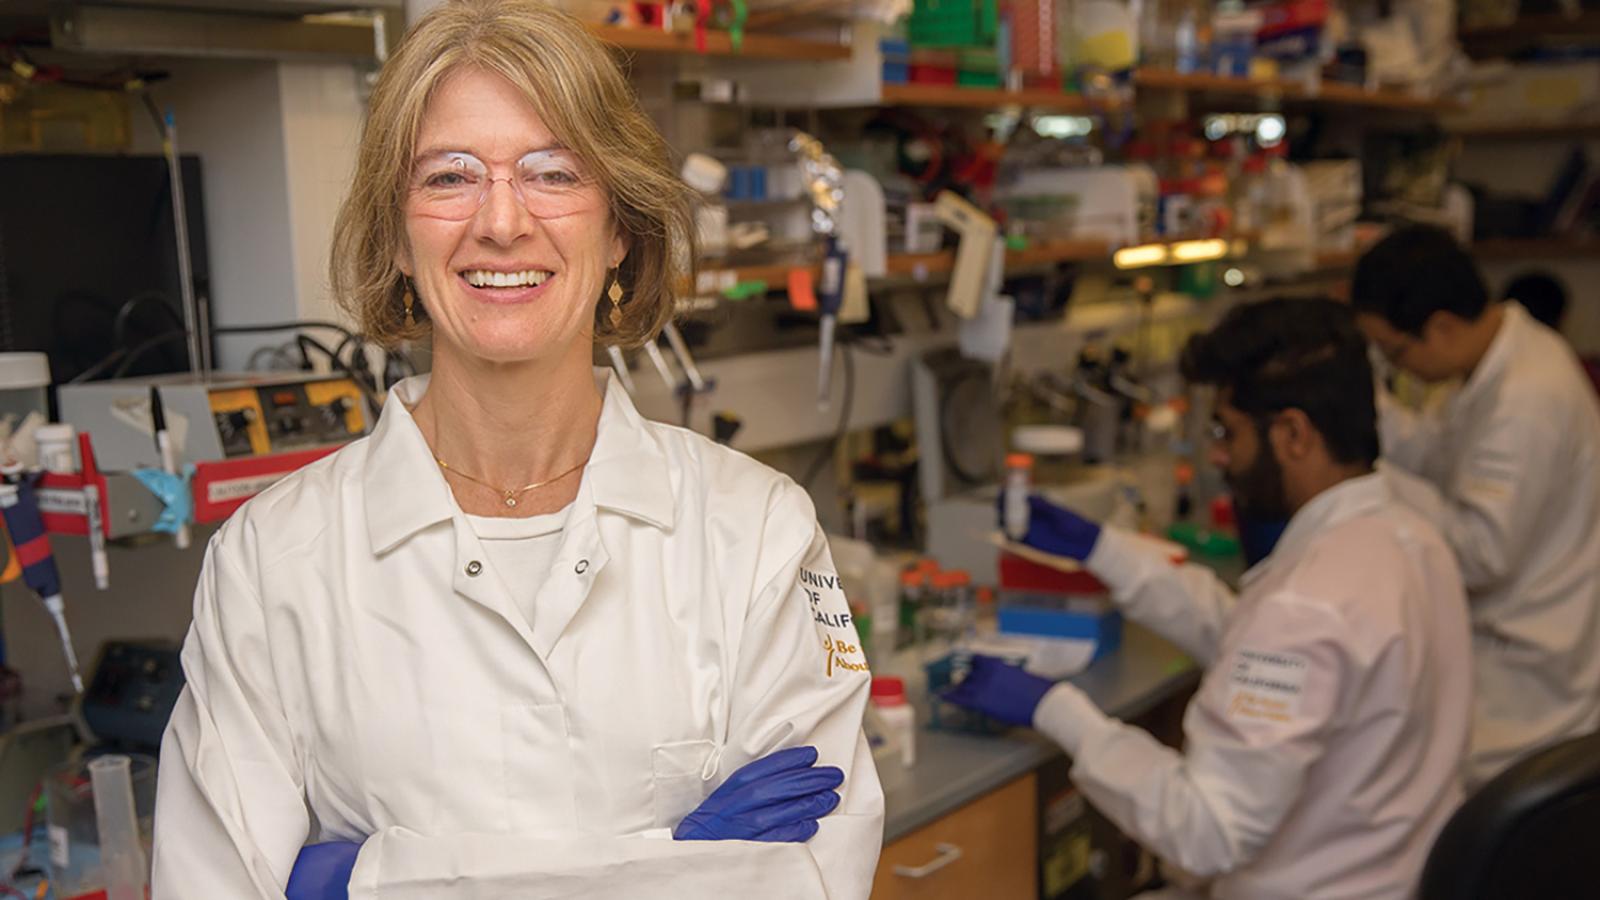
x: 581, y: 94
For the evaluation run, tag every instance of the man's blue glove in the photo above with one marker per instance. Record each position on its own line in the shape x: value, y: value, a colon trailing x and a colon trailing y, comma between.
x: 322, y: 872
x: 1056, y: 529
x: 777, y: 798
x: 1000, y: 690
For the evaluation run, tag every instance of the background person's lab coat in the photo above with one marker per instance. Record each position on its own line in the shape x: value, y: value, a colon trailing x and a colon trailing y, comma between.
x: 1322, y: 750
x: 1515, y: 458
x: 357, y: 672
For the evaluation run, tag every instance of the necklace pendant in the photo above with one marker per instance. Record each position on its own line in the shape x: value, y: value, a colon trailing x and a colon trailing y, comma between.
x: 511, y: 501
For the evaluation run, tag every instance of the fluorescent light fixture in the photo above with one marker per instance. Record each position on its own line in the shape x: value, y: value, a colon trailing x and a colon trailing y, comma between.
x: 1140, y: 256
x: 1199, y: 251
x: 1062, y: 126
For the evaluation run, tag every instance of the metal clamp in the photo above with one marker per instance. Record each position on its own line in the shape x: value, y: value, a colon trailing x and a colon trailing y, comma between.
x: 946, y: 854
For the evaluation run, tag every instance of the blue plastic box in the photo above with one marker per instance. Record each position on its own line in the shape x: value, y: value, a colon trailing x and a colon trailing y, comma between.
x: 1062, y: 616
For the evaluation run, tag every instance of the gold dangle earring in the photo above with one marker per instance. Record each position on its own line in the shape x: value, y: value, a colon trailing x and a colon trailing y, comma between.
x: 615, y: 293
x: 408, y: 300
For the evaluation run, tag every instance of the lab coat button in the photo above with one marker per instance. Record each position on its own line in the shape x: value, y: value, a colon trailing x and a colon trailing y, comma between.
x: 582, y: 566
x: 473, y: 568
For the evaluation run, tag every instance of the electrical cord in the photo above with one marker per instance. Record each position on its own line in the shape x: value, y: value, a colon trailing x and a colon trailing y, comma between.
x: 139, y: 350
x: 272, y: 327
x: 843, y: 428
x: 119, y: 326
x: 125, y: 356
x: 119, y: 361
x: 29, y: 821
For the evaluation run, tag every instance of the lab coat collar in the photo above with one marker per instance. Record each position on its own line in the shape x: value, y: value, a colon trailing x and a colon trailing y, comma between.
x: 1495, y: 360
x: 1340, y: 503
x: 405, y: 492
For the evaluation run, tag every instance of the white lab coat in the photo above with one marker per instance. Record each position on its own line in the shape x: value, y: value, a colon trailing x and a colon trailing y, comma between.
x: 357, y: 672
x: 1323, y: 748
x: 1515, y: 458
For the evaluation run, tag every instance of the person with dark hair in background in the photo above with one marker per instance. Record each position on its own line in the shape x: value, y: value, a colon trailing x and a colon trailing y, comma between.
x: 1513, y: 459
x: 1546, y: 300
x: 1541, y: 295
x: 1322, y: 752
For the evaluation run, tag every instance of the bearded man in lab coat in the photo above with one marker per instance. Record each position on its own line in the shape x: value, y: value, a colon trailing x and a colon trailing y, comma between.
x: 1511, y: 461
x: 1322, y: 750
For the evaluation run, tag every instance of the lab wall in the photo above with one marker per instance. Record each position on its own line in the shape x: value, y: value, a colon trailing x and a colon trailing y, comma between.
x: 277, y: 143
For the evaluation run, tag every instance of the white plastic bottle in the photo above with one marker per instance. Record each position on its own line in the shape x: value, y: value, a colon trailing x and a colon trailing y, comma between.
x: 1019, y: 483
x: 899, y: 719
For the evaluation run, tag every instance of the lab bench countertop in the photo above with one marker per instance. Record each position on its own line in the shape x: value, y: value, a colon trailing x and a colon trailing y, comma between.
x: 954, y: 769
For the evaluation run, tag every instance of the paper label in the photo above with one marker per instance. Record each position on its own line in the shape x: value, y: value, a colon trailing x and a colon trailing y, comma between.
x: 241, y: 488
x: 1266, y: 686
x: 60, y: 855
x: 63, y: 501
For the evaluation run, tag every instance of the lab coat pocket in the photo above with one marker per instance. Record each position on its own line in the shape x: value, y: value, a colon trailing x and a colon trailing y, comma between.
x: 680, y: 774
x: 540, y: 776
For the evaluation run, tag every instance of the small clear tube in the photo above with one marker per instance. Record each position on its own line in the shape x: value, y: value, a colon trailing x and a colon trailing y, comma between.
x: 1018, y: 485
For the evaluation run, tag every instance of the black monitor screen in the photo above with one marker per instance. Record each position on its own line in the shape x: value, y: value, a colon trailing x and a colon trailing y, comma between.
x: 84, y: 239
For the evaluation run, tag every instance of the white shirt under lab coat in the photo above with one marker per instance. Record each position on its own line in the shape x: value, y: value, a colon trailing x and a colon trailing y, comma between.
x: 354, y: 674
x: 1323, y: 748
x: 1515, y: 457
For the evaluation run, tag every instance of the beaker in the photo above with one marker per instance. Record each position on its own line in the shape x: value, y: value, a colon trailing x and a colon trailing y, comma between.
x: 75, y: 869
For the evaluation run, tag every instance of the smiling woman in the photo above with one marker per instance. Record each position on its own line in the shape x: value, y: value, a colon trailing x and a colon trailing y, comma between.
x: 519, y: 642
x: 580, y: 100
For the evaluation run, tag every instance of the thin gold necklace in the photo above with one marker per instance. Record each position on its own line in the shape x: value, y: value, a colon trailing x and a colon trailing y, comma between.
x: 510, y: 494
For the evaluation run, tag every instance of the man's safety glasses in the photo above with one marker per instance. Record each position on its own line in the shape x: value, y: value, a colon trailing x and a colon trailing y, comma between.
x: 455, y: 185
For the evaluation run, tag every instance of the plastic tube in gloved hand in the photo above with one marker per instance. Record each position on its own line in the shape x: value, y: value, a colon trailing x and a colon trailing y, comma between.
x: 777, y: 798
x: 1054, y: 529
x: 322, y: 871
x: 1000, y: 690
x: 20, y: 507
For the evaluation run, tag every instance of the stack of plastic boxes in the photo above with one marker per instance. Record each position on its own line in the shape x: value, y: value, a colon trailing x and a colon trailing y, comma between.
x: 1042, y: 602
x: 955, y: 42
x: 1035, y: 602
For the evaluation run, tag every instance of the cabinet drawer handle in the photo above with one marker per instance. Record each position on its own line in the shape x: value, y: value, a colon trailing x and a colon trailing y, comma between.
x: 946, y: 854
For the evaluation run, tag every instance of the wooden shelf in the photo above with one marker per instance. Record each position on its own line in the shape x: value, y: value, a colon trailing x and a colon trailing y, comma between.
x: 1551, y: 25
x: 1530, y: 31
x: 1048, y: 252
x: 1329, y: 93
x: 981, y: 98
x: 1330, y: 260
x: 1505, y: 249
x: 718, y: 43
x: 922, y: 265
x: 1530, y: 131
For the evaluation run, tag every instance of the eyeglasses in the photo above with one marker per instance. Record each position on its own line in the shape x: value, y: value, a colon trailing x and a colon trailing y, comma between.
x: 1394, y: 352
x: 455, y: 185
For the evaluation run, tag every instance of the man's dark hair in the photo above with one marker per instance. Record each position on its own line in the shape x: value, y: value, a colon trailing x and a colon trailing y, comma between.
x: 1303, y: 354
x: 1415, y: 272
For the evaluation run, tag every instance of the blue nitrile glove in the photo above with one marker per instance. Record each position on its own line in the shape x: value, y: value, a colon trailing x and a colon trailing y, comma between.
x: 322, y: 872
x: 1000, y: 690
x: 1056, y: 529
x: 777, y: 798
